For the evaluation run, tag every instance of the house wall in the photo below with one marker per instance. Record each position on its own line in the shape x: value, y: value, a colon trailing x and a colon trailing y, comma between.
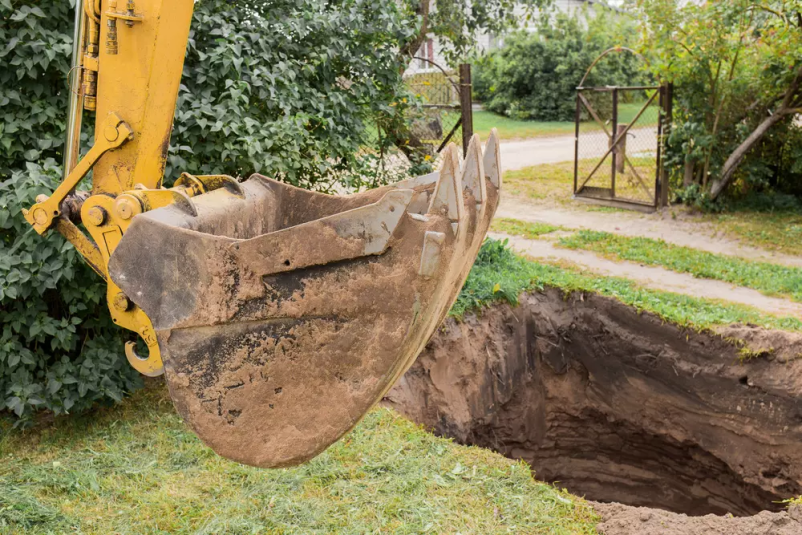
x: 488, y: 41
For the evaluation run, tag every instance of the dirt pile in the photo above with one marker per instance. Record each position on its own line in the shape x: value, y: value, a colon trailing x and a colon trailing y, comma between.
x: 620, y: 519
x: 619, y: 406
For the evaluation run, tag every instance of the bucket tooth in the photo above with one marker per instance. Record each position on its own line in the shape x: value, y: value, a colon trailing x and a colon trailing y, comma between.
x: 473, y: 173
x: 447, y: 197
x: 492, y: 159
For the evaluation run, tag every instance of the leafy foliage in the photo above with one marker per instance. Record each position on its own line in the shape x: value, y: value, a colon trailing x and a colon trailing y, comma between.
x: 535, y: 75
x: 288, y: 88
x: 34, y: 61
x: 59, y: 349
x: 731, y: 62
x: 458, y: 23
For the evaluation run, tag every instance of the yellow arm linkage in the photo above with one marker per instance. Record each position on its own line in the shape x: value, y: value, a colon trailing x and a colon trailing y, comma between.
x: 130, y: 60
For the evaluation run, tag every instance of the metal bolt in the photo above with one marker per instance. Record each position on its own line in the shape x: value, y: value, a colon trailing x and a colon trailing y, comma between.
x: 111, y: 133
x: 126, y: 209
x: 40, y: 216
x: 121, y: 302
x: 96, y: 216
x: 111, y: 38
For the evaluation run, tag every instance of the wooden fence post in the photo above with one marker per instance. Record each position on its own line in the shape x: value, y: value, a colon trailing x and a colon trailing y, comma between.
x: 466, y: 104
x: 620, y: 151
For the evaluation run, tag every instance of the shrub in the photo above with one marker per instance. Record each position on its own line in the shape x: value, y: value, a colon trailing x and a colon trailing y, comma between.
x: 59, y: 350
x: 535, y: 75
x: 732, y: 62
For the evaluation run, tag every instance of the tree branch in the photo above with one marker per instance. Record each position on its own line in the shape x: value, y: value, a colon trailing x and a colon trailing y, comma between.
x: 411, y: 47
x: 738, y: 155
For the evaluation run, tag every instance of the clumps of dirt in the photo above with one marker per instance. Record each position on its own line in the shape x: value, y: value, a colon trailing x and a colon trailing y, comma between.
x: 756, y: 342
x: 617, y: 405
x: 618, y: 519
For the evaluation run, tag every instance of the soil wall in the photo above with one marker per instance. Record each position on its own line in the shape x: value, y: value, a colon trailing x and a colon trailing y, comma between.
x: 617, y: 405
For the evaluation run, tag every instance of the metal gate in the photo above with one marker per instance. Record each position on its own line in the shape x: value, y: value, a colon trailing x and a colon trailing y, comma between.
x: 446, y: 109
x: 617, y: 159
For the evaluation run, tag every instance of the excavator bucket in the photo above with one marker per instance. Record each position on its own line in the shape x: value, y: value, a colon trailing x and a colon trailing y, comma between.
x: 284, y: 315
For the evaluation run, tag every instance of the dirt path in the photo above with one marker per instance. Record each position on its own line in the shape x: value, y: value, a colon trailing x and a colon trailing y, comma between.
x: 681, y: 231
x: 535, y: 151
x: 656, y: 278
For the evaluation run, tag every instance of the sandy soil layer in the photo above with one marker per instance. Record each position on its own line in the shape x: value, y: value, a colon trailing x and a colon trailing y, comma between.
x: 618, y: 519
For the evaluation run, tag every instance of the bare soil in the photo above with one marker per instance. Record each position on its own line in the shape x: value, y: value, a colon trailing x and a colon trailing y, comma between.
x: 618, y: 406
x: 621, y: 519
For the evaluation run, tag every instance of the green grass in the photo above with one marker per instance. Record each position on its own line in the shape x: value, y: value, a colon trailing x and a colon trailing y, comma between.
x: 484, y: 121
x: 771, y: 279
x: 499, y: 274
x: 779, y: 231
x: 515, y: 227
x: 554, y: 182
x: 136, y: 468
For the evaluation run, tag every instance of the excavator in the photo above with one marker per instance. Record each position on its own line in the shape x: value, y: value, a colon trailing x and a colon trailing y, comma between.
x: 278, y: 316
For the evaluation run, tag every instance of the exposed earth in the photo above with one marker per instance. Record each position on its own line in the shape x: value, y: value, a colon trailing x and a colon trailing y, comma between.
x: 621, y: 519
x: 620, y: 406
x: 669, y: 431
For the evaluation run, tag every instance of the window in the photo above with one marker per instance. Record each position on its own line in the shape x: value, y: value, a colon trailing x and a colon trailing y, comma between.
x: 426, y: 54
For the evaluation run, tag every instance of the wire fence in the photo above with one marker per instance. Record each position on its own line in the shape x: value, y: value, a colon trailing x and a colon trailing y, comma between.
x: 630, y: 119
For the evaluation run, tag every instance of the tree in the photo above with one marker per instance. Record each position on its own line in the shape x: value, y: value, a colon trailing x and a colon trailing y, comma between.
x: 458, y: 23
x: 535, y: 75
x: 736, y: 66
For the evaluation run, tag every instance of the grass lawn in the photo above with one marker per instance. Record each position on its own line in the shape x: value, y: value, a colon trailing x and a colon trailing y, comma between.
x: 777, y: 231
x: 554, y: 182
x: 515, y: 227
x: 499, y: 274
x: 136, y: 468
x: 547, y: 182
x: 508, y: 128
x: 770, y: 279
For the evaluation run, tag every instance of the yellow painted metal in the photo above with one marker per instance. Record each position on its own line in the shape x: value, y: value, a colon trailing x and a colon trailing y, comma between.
x: 132, y: 82
x: 140, y: 83
x: 88, y: 250
x: 114, y: 132
x: 106, y: 220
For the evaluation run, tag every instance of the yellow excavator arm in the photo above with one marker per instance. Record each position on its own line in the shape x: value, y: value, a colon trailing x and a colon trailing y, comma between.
x: 279, y: 316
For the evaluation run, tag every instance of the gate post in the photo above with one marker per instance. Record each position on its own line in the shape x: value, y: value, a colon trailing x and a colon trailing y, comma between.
x: 615, y: 136
x: 577, y: 120
x: 466, y: 104
x: 666, y: 119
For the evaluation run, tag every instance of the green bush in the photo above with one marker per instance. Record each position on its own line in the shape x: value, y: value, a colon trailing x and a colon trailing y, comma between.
x: 731, y: 65
x: 535, y: 75
x: 59, y: 350
x: 285, y: 88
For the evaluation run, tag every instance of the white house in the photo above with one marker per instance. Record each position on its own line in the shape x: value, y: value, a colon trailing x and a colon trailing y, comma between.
x: 430, y: 52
